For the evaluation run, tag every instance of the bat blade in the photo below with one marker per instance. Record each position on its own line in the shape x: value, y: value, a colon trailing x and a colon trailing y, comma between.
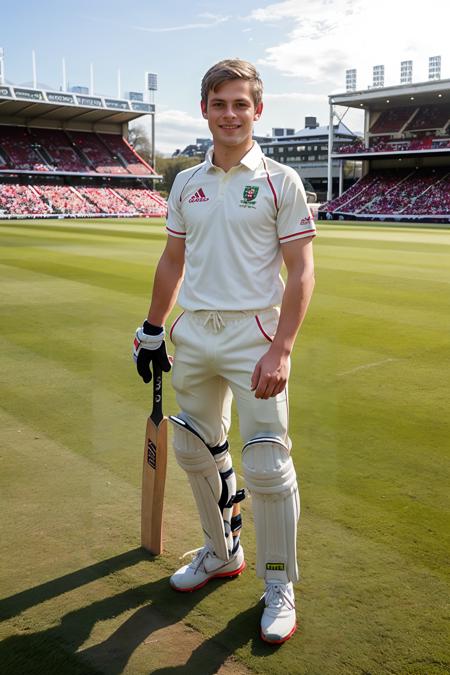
x: 153, y: 483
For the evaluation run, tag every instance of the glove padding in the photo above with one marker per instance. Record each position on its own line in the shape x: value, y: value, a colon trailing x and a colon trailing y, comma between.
x: 149, y: 346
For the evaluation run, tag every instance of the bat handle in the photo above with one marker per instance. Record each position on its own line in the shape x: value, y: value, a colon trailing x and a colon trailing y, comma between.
x: 157, y: 411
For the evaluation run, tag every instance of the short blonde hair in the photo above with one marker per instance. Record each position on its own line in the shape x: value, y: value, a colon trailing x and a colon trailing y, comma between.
x: 232, y: 69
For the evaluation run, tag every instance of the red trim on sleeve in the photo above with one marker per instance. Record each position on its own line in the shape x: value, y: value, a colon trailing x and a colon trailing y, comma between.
x: 174, y: 324
x: 288, y: 236
x: 262, y: 329
x: 181, y: 234
x: 271, y: 185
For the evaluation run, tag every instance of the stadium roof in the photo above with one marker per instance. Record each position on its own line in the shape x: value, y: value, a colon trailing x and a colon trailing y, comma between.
x: 40, y: 105
x: 309, y: 132
x: 380, y: 98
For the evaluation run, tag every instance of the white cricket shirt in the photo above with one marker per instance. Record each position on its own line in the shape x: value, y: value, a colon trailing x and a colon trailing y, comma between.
x: 234, y: 224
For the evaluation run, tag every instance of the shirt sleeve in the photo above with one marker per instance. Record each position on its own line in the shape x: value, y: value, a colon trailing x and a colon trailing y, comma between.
x: 175, y: 225
x: 294, y: 219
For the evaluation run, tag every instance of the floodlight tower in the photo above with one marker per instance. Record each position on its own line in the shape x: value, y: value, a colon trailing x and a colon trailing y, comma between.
x: 2, y: 67
x: 378, y: 76
x: 33, y: 62
x: 406, y: 72
x: 150, y: 86
x: 434, y: 68
x: 350, y: 79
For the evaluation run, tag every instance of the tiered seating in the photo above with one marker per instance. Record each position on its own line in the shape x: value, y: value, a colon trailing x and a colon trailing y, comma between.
x: 17, y: 148
x: 58, y: 147
x: 434, y: 201
x: 145, y: 201
x: 397, y: 192
x: 73, y: 153
x: 119, y: 148
x: 21, y: 200
x: 356, y: 189
x: 388, y: 145
x: 430, y: 117
x: 106, y: 200
x: 64, y: 199
x: 391, y: 121
x: 362, y: 192
x: 98, y: 156
x: 380, y: 183
x: 18, y: 199
x: 357, y: 146
x: 397, y: 197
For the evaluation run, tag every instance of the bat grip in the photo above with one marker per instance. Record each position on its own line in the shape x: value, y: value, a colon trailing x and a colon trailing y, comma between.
x: 157, y: 411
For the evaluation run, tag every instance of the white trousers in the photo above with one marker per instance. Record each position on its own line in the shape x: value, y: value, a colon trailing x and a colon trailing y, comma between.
x: 215, y: 355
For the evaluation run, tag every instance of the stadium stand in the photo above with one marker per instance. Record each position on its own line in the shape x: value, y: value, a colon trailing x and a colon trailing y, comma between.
x: 61, y: 156
x: 97, y: 155
x: 432, y: 201
x: 430, y: 117
x: 21, y: 200
x: 406, y: 155
x: 125, y: 153
x: 396, y: 192
x: 63, y: 199
x: 18, y: 151
x: 387, y: 144
x: 51, y: 166
x: 393, y: 120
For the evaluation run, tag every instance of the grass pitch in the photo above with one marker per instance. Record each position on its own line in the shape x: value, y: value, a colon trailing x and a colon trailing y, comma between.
x: 369, y: 423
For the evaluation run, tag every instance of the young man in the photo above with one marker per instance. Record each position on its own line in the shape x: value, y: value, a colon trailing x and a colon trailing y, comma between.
x: 232, y: 221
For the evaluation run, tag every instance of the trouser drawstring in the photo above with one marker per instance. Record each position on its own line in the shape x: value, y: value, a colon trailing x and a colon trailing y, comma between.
x: 215, y: 319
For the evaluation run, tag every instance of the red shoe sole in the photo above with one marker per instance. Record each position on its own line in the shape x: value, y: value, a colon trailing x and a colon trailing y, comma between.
x: 278, y: 642
x: 223, y: 575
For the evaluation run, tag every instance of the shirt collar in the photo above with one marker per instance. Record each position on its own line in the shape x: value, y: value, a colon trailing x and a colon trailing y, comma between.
x: 253, y: 157
x: 251, y: 160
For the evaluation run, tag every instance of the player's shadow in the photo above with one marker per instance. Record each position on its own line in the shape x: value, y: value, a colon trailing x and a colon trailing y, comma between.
x: 157, y: 607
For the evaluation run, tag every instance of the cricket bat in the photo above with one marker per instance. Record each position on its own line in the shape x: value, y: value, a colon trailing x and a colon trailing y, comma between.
x: 154, y: 471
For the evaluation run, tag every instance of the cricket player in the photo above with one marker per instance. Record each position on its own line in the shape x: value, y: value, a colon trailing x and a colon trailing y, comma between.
x: 231, y: 223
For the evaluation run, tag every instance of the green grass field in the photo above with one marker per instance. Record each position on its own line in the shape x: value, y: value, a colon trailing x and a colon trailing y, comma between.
x: 369, y: 423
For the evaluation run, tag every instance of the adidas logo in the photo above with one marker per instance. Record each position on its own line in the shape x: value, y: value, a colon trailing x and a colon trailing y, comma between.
x: 199, y: 196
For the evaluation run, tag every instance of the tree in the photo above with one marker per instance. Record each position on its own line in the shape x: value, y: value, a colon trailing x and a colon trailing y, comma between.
x: 170, y: 166
x: 138, y: 138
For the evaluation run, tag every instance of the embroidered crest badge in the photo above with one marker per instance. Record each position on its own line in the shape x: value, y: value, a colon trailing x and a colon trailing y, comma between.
x: 249, y: 195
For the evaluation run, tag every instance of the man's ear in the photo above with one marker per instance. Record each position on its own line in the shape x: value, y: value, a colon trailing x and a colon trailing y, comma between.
x: 258, y: 111
x: 203, y: 107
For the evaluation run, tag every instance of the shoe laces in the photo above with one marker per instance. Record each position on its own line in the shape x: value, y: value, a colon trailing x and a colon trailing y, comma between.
x: 277, y: 595
x: 198, y: 557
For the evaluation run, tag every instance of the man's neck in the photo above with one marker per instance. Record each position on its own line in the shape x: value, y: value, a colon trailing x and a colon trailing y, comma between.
x: 225, y: 157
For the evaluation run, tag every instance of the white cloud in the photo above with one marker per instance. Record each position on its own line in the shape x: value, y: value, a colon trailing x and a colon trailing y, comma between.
x: 325, y: 37
x: 176, y: 129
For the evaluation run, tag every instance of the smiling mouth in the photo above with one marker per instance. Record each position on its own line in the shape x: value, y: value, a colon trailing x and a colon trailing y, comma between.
x: 230, y: 126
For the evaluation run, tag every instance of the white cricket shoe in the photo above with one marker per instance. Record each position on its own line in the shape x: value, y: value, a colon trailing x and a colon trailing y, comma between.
x: 278, y: 621
x: 205, y: 566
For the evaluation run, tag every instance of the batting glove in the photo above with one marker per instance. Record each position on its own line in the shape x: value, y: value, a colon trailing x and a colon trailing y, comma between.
x: 149, y: 346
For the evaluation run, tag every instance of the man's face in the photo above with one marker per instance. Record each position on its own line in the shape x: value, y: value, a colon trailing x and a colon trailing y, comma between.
x: 230, y: 112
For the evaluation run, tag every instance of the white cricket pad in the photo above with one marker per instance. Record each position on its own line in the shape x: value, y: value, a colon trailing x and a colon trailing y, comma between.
x: 271, y: 479
x: 194, y: 456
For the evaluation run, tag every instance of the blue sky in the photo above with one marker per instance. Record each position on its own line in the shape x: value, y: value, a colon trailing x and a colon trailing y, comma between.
x: 301, y: 49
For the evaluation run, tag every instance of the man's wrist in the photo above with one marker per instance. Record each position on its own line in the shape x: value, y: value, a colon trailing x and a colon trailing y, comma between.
x: 151, y: 329
x: 281, y: 349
